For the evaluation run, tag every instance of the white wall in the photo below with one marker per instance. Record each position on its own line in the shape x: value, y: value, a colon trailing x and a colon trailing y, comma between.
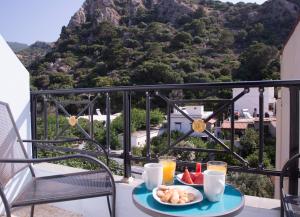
x: 290, y: 70
x: 15, y: 90
x: 251, y: 100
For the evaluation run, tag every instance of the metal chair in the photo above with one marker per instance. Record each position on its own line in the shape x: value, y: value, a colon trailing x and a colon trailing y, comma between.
x: 49, y: 189
x: 290, y: 204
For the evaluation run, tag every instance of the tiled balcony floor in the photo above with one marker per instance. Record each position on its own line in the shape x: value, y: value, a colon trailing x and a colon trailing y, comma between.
x: 44, y: 211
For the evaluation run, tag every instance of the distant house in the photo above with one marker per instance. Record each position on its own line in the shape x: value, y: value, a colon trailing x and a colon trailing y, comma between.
x: 182, y: 124
x: 240, y: 125
x: 100, y: 117
x: 139, y: 138
x: 250, y: 101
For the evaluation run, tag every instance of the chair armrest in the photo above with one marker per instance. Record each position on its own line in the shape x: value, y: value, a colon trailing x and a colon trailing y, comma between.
x: 96, y: 144
x: 66, y: 157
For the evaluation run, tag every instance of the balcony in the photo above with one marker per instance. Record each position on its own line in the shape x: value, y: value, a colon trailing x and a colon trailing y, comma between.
x: 72, y: 105
x: 54, y: 113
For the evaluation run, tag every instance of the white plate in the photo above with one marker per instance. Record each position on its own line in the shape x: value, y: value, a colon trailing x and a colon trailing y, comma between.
x: 179, y: 176
x: 197, y: 194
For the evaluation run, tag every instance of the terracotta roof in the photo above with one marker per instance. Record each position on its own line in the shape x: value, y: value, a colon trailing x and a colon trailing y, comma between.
x: 212, y: 121
x: 237, y: 125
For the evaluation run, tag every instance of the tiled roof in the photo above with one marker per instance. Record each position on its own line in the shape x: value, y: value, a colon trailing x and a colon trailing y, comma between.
x: 237, y: 125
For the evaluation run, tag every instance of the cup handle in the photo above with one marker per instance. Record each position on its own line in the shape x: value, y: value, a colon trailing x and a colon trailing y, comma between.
x: 221, y: 183
x: 144, y: 176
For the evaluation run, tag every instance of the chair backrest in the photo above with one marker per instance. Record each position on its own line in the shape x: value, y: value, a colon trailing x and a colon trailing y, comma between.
x: 11, y: 145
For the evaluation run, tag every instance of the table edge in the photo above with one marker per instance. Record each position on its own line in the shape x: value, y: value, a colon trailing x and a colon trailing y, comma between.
x: 156, y: 213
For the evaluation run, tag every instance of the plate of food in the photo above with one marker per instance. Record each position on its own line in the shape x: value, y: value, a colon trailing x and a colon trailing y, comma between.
x: 177, y: 195
x: 191, y: 178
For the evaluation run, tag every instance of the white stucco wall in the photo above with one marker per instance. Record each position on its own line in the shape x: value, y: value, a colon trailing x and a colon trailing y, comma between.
x: 290, y: 69
x: 15, y: 90
x: 251, y: 100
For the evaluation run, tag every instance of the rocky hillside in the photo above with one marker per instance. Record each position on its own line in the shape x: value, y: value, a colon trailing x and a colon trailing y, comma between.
x: 111, y: 42
x: 34, y: 52
x: 16, y: 46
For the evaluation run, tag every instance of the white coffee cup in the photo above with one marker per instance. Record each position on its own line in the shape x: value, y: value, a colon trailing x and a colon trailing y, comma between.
x: 153, y: 175
x: 214, y: 185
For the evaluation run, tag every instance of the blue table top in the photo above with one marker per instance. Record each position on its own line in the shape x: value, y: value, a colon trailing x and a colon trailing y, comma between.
x: 231, y: 204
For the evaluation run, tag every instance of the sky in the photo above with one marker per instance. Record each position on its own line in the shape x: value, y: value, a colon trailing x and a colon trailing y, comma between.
x: 28, y: 21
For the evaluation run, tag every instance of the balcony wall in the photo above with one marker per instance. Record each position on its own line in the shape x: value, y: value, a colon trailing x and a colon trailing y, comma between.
x: 97, y: 207
x: 14, y: 90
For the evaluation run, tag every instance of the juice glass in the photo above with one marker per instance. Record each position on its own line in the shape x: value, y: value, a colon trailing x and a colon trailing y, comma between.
x: 217, y: 166
x: 169, y: 167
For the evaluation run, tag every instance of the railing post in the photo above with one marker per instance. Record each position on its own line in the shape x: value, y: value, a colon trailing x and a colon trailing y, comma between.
x: 232, y: 126
x: 261, y: 127
x: 148, y: 151
x: 45, y: 116
x: 91, y: 113
x: 127, y: 136
x: 169, y: 123
x: 33, y: 102
x: 294, y: 139
x: 108, y: 122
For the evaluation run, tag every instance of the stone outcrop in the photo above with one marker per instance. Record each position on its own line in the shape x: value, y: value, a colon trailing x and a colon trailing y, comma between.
x: 109, y: 10
x: 96, y: 11
x: 170, y: 10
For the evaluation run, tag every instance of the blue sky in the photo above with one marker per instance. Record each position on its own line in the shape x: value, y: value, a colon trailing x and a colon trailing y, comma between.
x: 28, y: 21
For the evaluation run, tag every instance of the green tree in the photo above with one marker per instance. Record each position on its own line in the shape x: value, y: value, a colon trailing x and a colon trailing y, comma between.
x: 252, y: 184
x: 226, y: 39
x: 59, y: 80
x: 249, y: 142
x: 255, y: 61
x: 181, y: 39
x: 154, y: 72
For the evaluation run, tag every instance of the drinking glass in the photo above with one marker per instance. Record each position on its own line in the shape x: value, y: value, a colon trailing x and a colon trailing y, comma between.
x: 169, y: 167
x: 217, y: 166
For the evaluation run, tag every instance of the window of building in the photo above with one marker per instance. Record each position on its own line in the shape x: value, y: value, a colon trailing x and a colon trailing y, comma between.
x: 177, y: 125
x: 271, y: 106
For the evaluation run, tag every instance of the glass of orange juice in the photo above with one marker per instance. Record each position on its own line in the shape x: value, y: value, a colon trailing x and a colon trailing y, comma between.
x: 217, y: 166
x: 169, y: 167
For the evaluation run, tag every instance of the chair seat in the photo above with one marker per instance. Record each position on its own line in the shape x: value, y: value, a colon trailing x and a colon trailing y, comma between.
x: 293, y: 205
x: 64, y: 187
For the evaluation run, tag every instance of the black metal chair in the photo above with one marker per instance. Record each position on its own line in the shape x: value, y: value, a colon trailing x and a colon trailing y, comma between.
x: 49, y: 189
x: 290, y: 204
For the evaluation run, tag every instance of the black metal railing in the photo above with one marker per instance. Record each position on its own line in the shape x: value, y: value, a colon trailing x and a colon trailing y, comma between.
x: 45, y: 100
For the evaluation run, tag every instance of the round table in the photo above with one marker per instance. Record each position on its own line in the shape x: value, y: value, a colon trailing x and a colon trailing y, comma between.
x: 232, y: 204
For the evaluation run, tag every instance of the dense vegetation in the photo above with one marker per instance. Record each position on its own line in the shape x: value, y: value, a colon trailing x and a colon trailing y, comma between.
x: 218, y: 42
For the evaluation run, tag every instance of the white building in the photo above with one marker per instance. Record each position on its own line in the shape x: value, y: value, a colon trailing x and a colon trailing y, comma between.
x: 100, y: 117
x: 250, y: 100
x: 182, y: 124
x: 290, y: 70
x: 139, y: 138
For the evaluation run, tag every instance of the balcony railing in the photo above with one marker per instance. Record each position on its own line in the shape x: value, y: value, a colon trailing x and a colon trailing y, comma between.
x: 120, y: 98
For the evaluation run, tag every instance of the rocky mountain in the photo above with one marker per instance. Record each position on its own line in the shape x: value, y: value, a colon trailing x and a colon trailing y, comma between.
x: 113, y: 10
x: 113, y: 42
x: 16, y: 46
x: 34, y: 52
